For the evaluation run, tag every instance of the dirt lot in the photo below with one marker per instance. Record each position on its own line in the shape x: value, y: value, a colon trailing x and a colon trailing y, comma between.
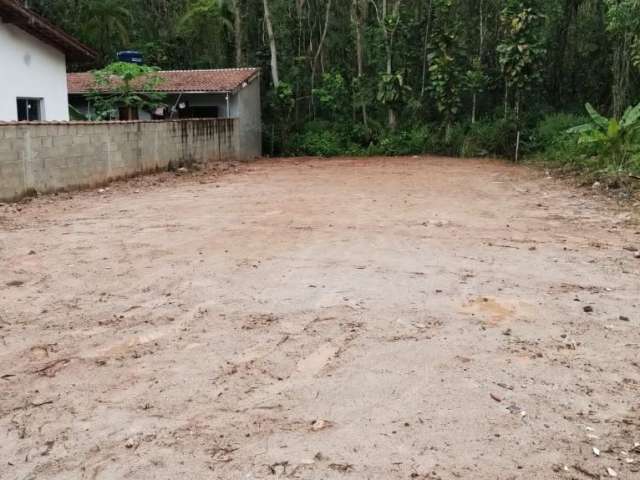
x: 406, y: 318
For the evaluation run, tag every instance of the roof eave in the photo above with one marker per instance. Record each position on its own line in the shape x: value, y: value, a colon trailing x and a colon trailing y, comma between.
x: 168, y: 92
x: 255, y: 74
x: 39, y: 27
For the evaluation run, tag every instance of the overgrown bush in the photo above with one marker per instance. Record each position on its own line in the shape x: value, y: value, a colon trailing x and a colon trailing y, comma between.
x: 615, y: 142
x: 596, y: 146
x: 487, y: 138
x: 403, y: 142
x: 328, y: 139
x: 490, y: 138
x: 544, y: 138
x: 554, y: 127
x: 634, y: 166
x: 322, y: 143
x: 555, y: 145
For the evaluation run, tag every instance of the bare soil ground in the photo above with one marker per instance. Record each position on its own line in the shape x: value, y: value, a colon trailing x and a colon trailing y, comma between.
x: 409, y: 318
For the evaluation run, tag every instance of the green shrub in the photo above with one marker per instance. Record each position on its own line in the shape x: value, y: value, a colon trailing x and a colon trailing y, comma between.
x: 593, y: 145
x: 322, y: 143
x: 403, y: 142
x: 634, y: 165
x: 564, y: 151
x: 548, y: 139
x: 490, y: 138
x: 332, y: 95
x: 552, y: 144
x: 358, y: 134
x: 553, y: 128
x: 487, y: 138
x: 329, y: 139
x: 616, y: 142
x: 453, y: 146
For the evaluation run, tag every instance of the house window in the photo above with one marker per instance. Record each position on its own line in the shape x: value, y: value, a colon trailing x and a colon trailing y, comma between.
x: 29, y: 109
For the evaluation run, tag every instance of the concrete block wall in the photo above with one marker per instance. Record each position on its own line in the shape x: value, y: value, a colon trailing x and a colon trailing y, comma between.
x: 250, y: 119
x: 47, y: 157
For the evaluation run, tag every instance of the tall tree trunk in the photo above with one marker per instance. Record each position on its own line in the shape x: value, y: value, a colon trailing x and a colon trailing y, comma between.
x: 322, y: 37
x: 506, y: 101
x: 393, y: 118
x: 559, y: 55
x: 482, y: 29
x: 300, y: 51
x: 358, y: 18
x: 388, y: 33
x: 621, y: 73
x: 314, y: 65
x: 425, y: 49
x: 237, y: 31
x: 474, y: 107
x: 474, y: 103
x: 517, y: 110
x: 272, y: 45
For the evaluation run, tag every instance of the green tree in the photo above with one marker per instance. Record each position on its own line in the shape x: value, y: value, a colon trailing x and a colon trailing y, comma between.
x: 388, y: 14
x: 520, y: 54
x: 204, y: 25
x: 446, y: 70
x: 105, y: 25
x: 124, y: 87
x: 393, y: 92
x: 623, y: 17
x: 476, y: 82
x: 332, y: 95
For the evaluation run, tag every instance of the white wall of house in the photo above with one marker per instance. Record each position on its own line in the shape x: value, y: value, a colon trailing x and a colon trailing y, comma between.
x: 29, y: 68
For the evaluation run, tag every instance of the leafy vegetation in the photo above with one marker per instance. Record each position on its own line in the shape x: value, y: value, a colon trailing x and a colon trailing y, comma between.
x: 125, y: 88
x: 463, y: 77
x: 446, y: 74
x: 616, y: 143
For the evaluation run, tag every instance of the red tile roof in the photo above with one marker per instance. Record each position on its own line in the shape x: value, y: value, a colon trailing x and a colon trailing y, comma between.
x: 215, y: 81
x: 13, y: 13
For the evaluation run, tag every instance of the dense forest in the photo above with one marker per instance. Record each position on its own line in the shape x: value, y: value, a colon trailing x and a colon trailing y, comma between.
x: 464, y: 77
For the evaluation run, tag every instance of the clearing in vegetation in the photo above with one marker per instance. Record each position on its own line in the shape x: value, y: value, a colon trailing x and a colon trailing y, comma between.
x: 389, y: 318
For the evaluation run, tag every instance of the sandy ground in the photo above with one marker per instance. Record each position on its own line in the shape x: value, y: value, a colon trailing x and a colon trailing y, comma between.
x: 410, y: 318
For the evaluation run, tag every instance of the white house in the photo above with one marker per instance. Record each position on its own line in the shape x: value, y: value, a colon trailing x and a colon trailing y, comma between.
x: 33, y: 72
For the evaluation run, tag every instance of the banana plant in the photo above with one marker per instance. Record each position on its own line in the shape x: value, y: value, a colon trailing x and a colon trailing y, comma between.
x: 613, y: 139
